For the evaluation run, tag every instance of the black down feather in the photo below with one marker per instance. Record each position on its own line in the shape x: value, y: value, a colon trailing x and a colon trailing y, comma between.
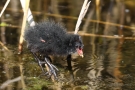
x: 51, y: 38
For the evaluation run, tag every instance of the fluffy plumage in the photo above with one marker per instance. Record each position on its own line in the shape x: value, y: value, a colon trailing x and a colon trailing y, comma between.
x: 51, y: 38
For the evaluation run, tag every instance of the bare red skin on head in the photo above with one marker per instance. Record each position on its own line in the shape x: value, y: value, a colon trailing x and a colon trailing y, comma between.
x: 80, y: 52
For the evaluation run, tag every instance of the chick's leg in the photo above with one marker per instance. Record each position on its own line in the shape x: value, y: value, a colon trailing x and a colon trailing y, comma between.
x: 52, y: 70
x: 70, y: 67
x: 40, y: 63
x: 69, y: 62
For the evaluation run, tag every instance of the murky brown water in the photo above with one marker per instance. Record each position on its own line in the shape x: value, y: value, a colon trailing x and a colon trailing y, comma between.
x: 109, y: 47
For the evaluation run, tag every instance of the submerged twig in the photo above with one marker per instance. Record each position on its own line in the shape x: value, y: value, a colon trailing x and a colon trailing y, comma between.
x: 5, y: 84
x: 4, y: 7
x: 22, y: 77
x: 4, y: 46
x: 82, y: 14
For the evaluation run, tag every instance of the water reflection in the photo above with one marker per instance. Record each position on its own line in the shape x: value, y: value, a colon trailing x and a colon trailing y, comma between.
x: 103, y: 67
x: 108, y: 62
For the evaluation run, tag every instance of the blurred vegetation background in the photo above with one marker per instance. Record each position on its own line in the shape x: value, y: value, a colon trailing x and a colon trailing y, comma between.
x: 108, y: 31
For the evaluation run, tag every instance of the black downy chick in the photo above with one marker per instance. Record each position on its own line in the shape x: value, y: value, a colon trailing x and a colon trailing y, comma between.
x: 50, y: 38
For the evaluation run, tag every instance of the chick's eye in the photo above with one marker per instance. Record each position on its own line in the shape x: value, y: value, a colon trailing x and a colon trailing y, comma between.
x: 77, y: 46
x: 80, y: 47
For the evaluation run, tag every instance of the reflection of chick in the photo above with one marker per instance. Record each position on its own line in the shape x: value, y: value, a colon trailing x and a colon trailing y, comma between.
x: 50, y: 38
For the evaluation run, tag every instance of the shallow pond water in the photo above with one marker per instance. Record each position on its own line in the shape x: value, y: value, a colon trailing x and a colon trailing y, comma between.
x: 109, y: 47
x: 104, y: 66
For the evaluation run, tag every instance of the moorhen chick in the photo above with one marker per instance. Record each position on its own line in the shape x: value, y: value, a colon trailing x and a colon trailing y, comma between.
x: 50, y: 38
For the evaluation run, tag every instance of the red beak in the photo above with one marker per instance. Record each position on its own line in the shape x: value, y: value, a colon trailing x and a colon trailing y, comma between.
x: 80, y: 52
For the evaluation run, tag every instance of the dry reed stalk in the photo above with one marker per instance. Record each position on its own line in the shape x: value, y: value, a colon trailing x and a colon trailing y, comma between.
x: 75, y: 18
x: 94, y: 21
x: 30, y: 19
x: 23, y: 25
x: 82, y: 14
x: 4, y: 7
x: 97, y: 14
x: 3, y: 31
x: 87, y: 23
x: 106, y: 36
